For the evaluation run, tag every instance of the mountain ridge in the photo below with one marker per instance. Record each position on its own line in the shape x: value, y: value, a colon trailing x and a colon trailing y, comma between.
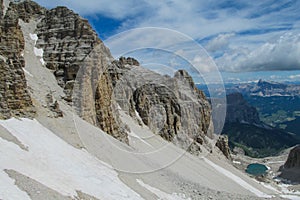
x: 95, y: 148
x: 266, y: 89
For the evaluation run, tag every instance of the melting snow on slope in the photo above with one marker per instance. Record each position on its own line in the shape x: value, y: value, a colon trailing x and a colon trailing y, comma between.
x: 37, y: 52
x: 162, y: 195
x: 34, y: 37
x: 56, y: 164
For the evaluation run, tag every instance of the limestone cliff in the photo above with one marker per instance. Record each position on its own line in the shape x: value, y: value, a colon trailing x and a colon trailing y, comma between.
x: 66, y: 39
x: 172, y: 107
x: 96, y: 84
x: 78, y: 58
x: 14, y: 96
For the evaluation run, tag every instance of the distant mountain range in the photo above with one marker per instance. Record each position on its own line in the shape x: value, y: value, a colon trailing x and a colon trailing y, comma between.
x: 265, y: 89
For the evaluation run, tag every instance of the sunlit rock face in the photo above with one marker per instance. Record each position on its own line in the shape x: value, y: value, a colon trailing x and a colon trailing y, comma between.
x: 15, y: 99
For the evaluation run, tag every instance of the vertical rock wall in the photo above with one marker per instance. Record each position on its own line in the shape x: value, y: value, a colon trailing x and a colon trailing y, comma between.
x: 14, y: 96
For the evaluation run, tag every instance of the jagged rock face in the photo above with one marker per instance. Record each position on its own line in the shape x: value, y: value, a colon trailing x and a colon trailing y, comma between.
x: 238, y: 110
x: 291, y: 169
x: 79, y: 59
x: 28, y: 10
x: 167, y: 106
x: 71, y: 46
x: 14, y: 96
x: 222, y: 144
x: 106, y: 112
x: 293, y: 160
x: 1, y: 9
x: 172, y: 107
x: 66, y: 39
x: 194, y: 104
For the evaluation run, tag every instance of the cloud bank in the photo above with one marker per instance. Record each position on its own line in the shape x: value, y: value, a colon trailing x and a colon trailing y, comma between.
x: 240, y: 35
x: 282, y: 54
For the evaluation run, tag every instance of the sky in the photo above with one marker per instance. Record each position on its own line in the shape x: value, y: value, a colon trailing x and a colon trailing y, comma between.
x: 247, y: 40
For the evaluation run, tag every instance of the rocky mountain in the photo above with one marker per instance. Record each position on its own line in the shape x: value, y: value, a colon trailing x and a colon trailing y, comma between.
x: 293, y: 160
x: 76, y: 123
x: 172, y: 107
x: 239, y: 111
x: 266, y: 89
x: 291, y: 168
x: 14, y: 96
x: 78, y: 59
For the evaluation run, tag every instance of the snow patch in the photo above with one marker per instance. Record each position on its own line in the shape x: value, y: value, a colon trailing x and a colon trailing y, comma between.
x: 237, y: 162
x: 27, y: 72
x: 8, y: 189
x: 42, y: 61
x: 162, y: 195
x: 56, y: 164
x: 138, y: 116
x: 38, y: 52
x: 34, y: 37
x: 292, y: 197
x: 274, y: 162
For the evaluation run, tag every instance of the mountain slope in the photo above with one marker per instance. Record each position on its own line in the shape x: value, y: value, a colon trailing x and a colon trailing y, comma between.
x: 70, y: 156
x: 245, y: 129
x: 258, y: 141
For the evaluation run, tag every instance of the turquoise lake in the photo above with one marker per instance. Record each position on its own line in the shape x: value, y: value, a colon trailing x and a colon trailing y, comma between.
x: 256, y: 169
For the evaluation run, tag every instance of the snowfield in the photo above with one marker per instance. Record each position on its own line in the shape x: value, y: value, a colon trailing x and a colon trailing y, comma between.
x: 54, y: 163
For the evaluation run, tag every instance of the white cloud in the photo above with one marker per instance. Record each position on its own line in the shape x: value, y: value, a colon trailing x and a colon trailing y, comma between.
x: 282, y: 54
x: 297, y: 76
x: 219, y: 42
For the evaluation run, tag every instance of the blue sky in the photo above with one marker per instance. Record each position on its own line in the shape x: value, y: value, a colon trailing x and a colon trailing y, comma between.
x: 243, y: 37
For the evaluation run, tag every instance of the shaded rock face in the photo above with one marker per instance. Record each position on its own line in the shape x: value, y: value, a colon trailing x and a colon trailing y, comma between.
x: 291, y: 168
x: 238, y: 110
x: 171, y: 107
x: 1, y: 9
x: 106, y: 110
x: 14, y: 96
x: 166, y: 105
x: 222, y: 144
x: 293, y: 160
